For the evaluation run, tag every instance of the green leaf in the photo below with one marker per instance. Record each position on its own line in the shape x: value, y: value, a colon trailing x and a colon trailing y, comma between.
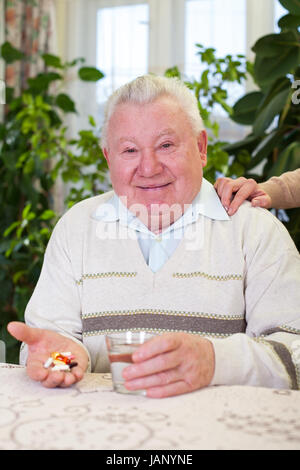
x: 237, y: 169
x: 29, y: 166
x: 45, y: 231
x: 280, y: 84
x: 52, y: 61
x: 273, y: 44
x: 288, y: 160
x: 289, y: 22
x: 244, y: 157
x: 41, y: 82
x: 18, y: 275
x: 245, y: 109
x: 267, y: 115
x: 47, y: 214
x: 276, y: 56
x: 293, y: 6
x: 90, y: 74
x: 266, y: 147
x: 247, y: 143
x: 64, y: 102
x: 26, y: 211
x: 10, y: 54
x: 11, y: 228
x: 92, y: 121
x: 173, y: 72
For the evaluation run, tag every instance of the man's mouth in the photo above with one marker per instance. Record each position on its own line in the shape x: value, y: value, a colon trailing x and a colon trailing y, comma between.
x: 153, y: 187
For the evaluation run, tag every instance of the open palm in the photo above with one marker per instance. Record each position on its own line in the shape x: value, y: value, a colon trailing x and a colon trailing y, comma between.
x: 41, y: 343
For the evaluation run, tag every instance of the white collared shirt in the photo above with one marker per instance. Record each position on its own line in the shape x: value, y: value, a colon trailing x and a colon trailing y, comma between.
x: 158, y: 248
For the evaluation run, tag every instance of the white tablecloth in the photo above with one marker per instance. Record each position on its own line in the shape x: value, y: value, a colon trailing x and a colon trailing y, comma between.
x: 90, y: 415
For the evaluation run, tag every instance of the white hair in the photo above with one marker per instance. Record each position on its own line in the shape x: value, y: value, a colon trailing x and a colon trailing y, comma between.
x: 145, y: 90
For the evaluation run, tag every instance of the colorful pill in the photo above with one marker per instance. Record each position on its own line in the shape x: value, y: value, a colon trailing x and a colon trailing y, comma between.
x: 73, y: 364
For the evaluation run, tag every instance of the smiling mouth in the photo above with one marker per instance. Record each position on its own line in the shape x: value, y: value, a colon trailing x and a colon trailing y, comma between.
x: 154, y: 187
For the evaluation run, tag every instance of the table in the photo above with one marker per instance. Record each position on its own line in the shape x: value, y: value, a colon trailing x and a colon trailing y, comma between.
x: 91, y: 416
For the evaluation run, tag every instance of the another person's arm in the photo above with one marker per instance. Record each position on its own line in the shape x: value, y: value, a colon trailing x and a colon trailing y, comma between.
x: 281, y: 192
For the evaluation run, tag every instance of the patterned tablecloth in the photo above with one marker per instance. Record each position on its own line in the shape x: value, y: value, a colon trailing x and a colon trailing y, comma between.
x: 90, y: 415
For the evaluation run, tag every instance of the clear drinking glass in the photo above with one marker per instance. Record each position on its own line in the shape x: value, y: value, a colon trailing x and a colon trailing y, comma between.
x: 120, y: 347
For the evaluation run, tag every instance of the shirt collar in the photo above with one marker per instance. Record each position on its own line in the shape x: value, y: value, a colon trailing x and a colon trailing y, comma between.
x: 206, y: 203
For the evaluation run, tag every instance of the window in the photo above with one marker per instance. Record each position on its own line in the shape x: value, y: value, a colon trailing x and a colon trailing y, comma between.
x: 224, y: 29
x: 210, y: 24
x: 122, y: 46
x: 127, y: 38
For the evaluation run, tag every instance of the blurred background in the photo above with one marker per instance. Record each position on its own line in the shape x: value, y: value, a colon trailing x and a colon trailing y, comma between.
x: 61, y: 59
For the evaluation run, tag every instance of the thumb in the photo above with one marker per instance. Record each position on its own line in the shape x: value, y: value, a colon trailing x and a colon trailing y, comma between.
x: 23, y: 332
x: 260, y: 201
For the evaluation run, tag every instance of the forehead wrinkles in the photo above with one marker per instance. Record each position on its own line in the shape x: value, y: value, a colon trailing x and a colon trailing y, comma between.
x: 131, y: 121
x: 157, y: 135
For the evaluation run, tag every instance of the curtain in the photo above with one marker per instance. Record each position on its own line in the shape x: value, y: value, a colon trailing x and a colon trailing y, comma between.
x: 29, y: 27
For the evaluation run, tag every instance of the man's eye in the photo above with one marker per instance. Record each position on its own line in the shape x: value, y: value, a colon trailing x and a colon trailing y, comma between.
x: 166, y: 145
x: 130, y: 150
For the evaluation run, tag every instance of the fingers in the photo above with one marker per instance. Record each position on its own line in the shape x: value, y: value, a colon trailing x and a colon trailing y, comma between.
x: 60, y: 379
x: 177, y: 387
x: 155, y: 346
x: 52, y: 379
x: 245, y: 192
x: 171, y: 390
x: 234, y: 192
x: 24, y: 332
x: 156, y: 365
x: 176, y: 363
x: 262, y: 201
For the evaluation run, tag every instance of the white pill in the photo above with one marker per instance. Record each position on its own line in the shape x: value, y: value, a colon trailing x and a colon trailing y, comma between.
x: 48, y: 363
x: 61, y: 367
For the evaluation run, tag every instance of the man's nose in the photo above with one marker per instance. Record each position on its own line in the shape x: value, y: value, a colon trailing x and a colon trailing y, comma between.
x: 149, y: 164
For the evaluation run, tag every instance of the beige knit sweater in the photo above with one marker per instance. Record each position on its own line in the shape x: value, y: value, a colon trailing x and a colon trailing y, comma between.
x: 284, y: 190
x: 236, y: 282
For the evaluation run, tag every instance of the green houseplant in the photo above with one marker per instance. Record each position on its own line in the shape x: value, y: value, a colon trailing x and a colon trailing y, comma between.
x: 273, y: 110
x: 34, y: 152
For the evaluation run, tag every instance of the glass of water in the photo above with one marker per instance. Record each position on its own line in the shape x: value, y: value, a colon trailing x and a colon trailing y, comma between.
x: 120, y: 347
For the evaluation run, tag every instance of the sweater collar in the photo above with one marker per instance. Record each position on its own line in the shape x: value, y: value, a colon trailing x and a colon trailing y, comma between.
x: 206, y: 203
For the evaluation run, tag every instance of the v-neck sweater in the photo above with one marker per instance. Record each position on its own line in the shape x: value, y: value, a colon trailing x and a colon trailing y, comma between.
x: 235, y: 282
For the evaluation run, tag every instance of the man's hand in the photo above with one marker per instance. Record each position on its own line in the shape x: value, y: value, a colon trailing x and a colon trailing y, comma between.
x: 41, y: 343
x: 171, y: 364
x: 233, y: 192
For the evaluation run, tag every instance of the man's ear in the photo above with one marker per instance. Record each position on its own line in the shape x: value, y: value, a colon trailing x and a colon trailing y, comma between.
x: 105, y: 153
x: 202, y: 146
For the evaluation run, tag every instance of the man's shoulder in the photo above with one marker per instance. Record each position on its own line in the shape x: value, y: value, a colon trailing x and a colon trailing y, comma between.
x: 84, y: 209
x: 260, y: 223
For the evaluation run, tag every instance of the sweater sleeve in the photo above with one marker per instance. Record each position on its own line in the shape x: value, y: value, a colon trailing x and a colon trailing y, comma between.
x: 268, y: 353
x: 284, y: 190
x: 55, y: 303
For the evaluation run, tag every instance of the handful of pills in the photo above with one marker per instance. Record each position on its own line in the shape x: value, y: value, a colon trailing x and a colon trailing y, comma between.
x: 60, y: 361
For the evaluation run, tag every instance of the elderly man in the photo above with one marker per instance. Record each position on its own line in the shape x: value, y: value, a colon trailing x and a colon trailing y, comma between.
x: 160, y: 254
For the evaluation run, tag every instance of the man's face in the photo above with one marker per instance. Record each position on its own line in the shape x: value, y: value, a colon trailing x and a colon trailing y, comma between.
x: 154, y: 157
